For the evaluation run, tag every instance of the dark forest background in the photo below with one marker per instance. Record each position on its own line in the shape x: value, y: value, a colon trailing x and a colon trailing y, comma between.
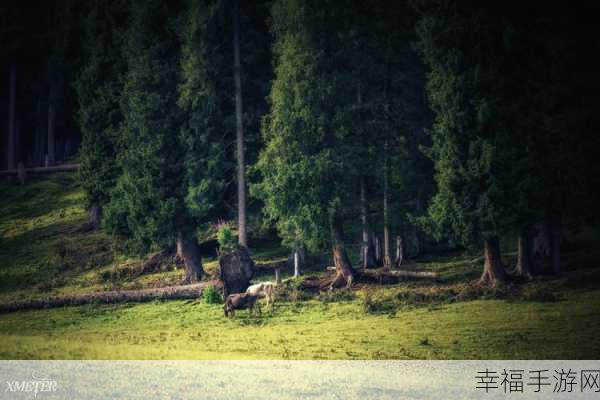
x: 397, y: 125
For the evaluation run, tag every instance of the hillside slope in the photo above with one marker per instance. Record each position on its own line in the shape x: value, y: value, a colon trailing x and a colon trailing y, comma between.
x: 46, y: 250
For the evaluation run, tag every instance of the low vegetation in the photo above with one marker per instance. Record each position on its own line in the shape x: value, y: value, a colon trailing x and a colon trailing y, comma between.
x: 45, y: 249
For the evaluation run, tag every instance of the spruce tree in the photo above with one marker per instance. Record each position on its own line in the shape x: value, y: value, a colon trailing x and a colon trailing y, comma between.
x: 98, y: 87
x: 201, y: 134
x: 463, y: 50
x: 304, y: 164
x: 388, y: 120
x: 149, y: 200
x: 553, y: 170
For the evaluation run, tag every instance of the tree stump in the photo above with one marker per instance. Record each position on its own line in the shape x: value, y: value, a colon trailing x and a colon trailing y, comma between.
x: 235, y: 270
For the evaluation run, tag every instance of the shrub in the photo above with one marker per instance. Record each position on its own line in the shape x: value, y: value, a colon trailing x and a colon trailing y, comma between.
x: 211, y: 295
x: 226, y: 238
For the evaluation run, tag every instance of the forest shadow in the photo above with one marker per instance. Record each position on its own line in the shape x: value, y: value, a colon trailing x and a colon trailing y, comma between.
x: 49, y: 256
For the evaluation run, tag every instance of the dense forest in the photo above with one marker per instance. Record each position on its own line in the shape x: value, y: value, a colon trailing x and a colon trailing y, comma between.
x: 383, y: 129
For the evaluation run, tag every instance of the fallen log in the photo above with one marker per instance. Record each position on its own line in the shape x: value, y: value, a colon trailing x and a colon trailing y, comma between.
x: 382, y: 276
x: 396, y: 273
x: 110, y: 297
x: 411, y: 274
x: 42, y: 170
x: 271, y: 265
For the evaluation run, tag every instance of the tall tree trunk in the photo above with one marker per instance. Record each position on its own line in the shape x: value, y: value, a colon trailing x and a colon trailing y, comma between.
x: 296, y: 263
x: 367, y: 254
x: 277, y: 276
x: 417, y: 236
x: 18, y: 144
x: 387, y: 261
x: 21, y: 173
x: 189, y: 252
x: 241, y: 174
x: 493, y: 270
x: 524, y: 260
x: 40, y: 133
x: 540, y: 243
x: 95, y: 213
x: 399, y: 251
x: 298, y: 259
x: 51, y: 155
x: 12, y: 134
x: 344, y: 271
x: 36, y: 137
x: 377, y: 244
x: 555, y: 238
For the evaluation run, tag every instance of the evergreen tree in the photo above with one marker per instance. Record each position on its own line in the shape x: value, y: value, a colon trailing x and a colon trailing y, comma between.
x: 149, y: 199
x: 239, y: 127
x: 463, y: 49
x: 202, y: 104
x: 60, y: 62
x: 552, y: 88
x: 304, y: 162
x: 98, y: 87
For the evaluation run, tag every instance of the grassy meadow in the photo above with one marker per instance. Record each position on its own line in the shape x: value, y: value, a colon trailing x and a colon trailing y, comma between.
x: 45, y: 250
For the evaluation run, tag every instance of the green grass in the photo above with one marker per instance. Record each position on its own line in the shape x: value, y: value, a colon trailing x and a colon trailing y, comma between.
x: 42, y: 245
x: 44, y: 250
x: 480, y: 329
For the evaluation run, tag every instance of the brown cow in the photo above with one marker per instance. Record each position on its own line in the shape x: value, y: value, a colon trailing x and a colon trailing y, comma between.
x: 238, y: 301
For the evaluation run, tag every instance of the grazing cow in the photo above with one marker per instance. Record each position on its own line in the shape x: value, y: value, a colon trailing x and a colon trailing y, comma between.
x: 238, y: 301
x: 263, y: 289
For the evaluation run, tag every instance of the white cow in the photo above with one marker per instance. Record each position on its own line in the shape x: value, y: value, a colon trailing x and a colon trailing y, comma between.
x: 263, y: 289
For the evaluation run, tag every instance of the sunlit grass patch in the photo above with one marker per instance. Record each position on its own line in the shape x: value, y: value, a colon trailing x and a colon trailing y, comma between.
x: 310, y: 329
x: 44, y: 252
